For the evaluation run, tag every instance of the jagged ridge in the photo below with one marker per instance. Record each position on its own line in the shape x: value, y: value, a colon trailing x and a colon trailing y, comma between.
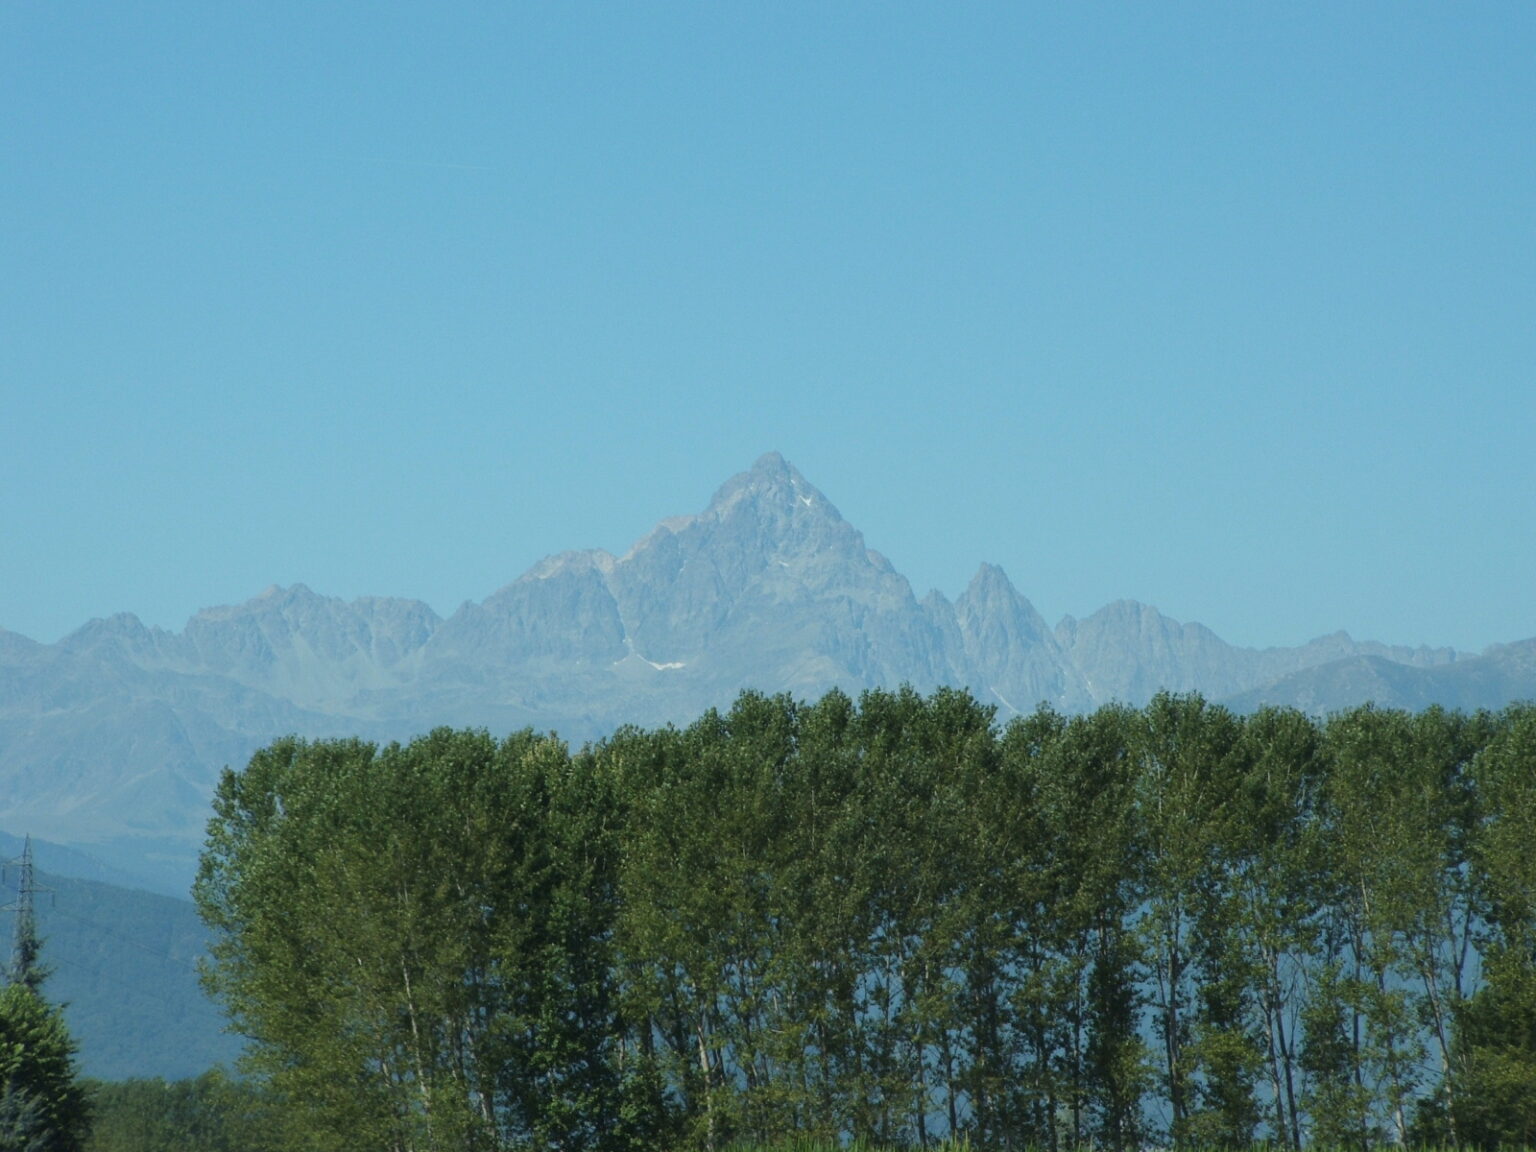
x: 119, y: 730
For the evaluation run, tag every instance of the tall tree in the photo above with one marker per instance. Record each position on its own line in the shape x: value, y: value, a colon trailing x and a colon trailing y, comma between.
x: 1271, y: 852
x: 885, y: 921
x: 1391, y: 812
x: 1082, y: 960
x: 1494, y: 1071
x: 1190, y: 762
x: 43, y: 1105
x: 415, y: 939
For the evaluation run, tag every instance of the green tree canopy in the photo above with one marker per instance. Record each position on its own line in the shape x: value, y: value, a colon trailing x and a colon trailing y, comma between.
x: 42, y: 1103
x: 887, y: 920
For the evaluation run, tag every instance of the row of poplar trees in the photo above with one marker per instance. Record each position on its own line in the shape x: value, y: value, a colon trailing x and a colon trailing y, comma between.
x: 892, y: 920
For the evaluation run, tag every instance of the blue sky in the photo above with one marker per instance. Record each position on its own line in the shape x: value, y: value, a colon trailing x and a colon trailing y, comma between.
x: 1227, y: 308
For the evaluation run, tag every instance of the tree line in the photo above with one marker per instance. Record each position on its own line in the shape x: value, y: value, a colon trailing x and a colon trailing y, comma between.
x: 209, y: 1113
x: 892, y: 920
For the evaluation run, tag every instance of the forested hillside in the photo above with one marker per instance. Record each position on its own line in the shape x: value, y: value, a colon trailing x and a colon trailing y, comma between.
x: 124, y: 966
x: 889, y: 919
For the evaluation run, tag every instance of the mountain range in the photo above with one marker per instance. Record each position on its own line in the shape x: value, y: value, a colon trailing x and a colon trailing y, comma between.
x: 112, y: 738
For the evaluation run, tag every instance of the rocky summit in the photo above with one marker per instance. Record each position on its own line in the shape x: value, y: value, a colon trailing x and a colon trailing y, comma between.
x: 113, y: 737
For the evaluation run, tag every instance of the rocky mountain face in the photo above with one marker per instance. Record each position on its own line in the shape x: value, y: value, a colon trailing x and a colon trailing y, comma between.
x: 114, y: 736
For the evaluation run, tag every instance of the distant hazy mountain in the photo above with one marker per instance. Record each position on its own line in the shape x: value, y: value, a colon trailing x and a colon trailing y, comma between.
x: 1129, y: 651
x: 114, y: 736
x: 1504, y: 673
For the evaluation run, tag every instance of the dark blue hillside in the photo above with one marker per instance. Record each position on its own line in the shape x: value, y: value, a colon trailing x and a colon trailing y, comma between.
x: 124, y: 965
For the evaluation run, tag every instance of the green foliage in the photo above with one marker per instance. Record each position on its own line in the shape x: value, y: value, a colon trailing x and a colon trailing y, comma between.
x: 417, y: 939
x: 885, y: 922
x: 1492, y: 1082
x: 42, y: 1104
x: 1192, y: 772
x: 1495, y: 1076
x: 210, y: 1113
x: 24, y: 1125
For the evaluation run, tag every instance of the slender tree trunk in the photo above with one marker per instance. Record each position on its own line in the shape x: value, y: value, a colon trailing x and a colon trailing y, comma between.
x: 1394, y: 1063
x: 706, y: 1071
x: 1272, y: 1046
x: 422, y: 1083
x: 947, y: 1054
x: 1079, y: 1008
x: 1289, y: 1060
x: 1436, y: 1008
x: 1171, y: 977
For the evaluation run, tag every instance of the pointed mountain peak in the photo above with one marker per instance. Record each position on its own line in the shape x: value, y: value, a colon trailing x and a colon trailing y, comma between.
x: 990, y: 592
x: 564, y: 563
x: 772, y: 482
x: 935, y: 600
x: 990, y: 580
x: 772, y: 463
x: 121, y: 626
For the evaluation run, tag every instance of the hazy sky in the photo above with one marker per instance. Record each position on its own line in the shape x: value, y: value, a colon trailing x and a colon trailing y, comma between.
x: 1228, y: 308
